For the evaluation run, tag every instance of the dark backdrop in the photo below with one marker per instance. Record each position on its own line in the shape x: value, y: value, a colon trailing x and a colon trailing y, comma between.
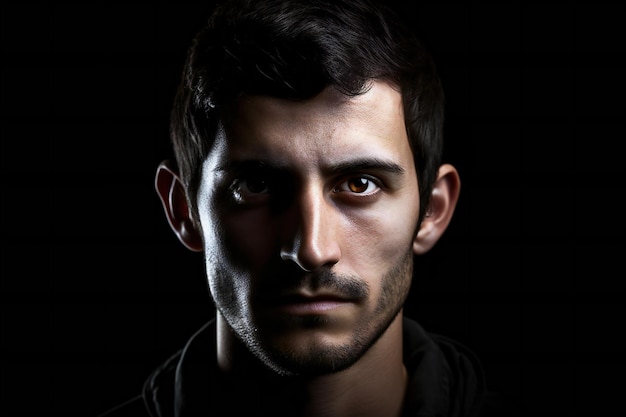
x: 97, y: 291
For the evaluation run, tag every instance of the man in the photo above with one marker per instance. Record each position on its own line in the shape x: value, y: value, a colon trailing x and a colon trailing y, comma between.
x: 308, y: 170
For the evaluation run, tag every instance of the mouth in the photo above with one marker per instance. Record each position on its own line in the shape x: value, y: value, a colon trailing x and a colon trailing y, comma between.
x: 307, y: 304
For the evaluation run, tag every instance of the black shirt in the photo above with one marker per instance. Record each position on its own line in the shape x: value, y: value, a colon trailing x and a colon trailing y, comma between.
x: 446, y: 380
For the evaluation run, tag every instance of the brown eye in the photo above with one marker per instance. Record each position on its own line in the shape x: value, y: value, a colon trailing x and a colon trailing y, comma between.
x: 250, y: 189
x: 256, y: 185
x: 358, y: 185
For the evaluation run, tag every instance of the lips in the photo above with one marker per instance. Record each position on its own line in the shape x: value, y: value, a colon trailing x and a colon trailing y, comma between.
x: 300, y: 304
x: 319, y: 293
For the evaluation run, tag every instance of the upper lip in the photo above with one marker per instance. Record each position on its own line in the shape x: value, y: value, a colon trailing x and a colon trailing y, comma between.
x: 304, y: 297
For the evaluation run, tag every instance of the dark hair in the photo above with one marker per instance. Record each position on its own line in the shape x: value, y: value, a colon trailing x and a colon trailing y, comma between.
x: 294, y: 49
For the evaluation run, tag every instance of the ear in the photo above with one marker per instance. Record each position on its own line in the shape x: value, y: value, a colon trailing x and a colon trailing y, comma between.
x: 172, y: 193
x: 444, y: 197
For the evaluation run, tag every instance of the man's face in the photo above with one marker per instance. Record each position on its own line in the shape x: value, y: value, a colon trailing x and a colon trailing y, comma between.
x: 308, y: 211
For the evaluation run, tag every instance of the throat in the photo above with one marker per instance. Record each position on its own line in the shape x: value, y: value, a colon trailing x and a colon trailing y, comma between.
x: 374, y: 386
x: 381, y: 395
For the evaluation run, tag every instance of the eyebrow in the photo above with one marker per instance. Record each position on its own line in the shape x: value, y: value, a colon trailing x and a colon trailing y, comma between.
x: 364, y: 164
x: 359, y: 164
x: 249, y: 165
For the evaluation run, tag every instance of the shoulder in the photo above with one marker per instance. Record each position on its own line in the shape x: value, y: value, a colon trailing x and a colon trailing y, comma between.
x: 495, y: 405
x: 134, y: 407
x: 156, y: 398
x: 490, y: 403
x: 448, y: 376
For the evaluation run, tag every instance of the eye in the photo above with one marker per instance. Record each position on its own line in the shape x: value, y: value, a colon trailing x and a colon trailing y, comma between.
x: 250, y: 188
x: 251, y: 185
x: 358, y: 185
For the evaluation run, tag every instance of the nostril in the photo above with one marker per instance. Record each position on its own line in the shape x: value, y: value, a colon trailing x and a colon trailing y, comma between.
x: 310, y: 241
x: 292, y: 255
x: 308, y: 261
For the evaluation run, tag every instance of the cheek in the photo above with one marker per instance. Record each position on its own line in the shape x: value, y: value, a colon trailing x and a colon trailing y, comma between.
x: 248, y: 239
x: 233, y: 237
x: 237, y: 247
x: 381, y: 238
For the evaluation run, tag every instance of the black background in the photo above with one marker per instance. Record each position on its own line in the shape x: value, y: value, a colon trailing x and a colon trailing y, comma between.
x: 96, y: 290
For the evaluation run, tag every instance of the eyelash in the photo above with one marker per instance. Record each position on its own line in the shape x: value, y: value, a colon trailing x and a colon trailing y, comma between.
x: 370, y: 181
x: 343, y: 186
x: 245, y: 196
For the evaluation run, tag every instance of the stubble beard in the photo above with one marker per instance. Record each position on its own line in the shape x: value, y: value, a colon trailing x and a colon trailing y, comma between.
x: 315, y: 359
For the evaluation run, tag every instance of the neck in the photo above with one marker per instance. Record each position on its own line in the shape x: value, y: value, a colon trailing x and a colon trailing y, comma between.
x: 374, y: 386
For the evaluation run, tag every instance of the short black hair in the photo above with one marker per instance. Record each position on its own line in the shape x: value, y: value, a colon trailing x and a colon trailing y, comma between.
x: 294, y: 49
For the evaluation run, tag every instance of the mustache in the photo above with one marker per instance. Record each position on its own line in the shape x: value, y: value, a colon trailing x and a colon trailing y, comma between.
x: 289, y: 280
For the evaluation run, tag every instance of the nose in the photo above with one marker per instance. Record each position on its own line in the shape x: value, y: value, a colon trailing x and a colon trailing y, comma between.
x: 311, y: 233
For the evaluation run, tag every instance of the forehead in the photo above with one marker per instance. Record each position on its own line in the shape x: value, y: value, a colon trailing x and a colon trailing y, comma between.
x: 327, y: 126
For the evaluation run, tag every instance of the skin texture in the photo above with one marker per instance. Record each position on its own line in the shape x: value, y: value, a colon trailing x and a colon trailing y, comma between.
x: 308, y: 223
